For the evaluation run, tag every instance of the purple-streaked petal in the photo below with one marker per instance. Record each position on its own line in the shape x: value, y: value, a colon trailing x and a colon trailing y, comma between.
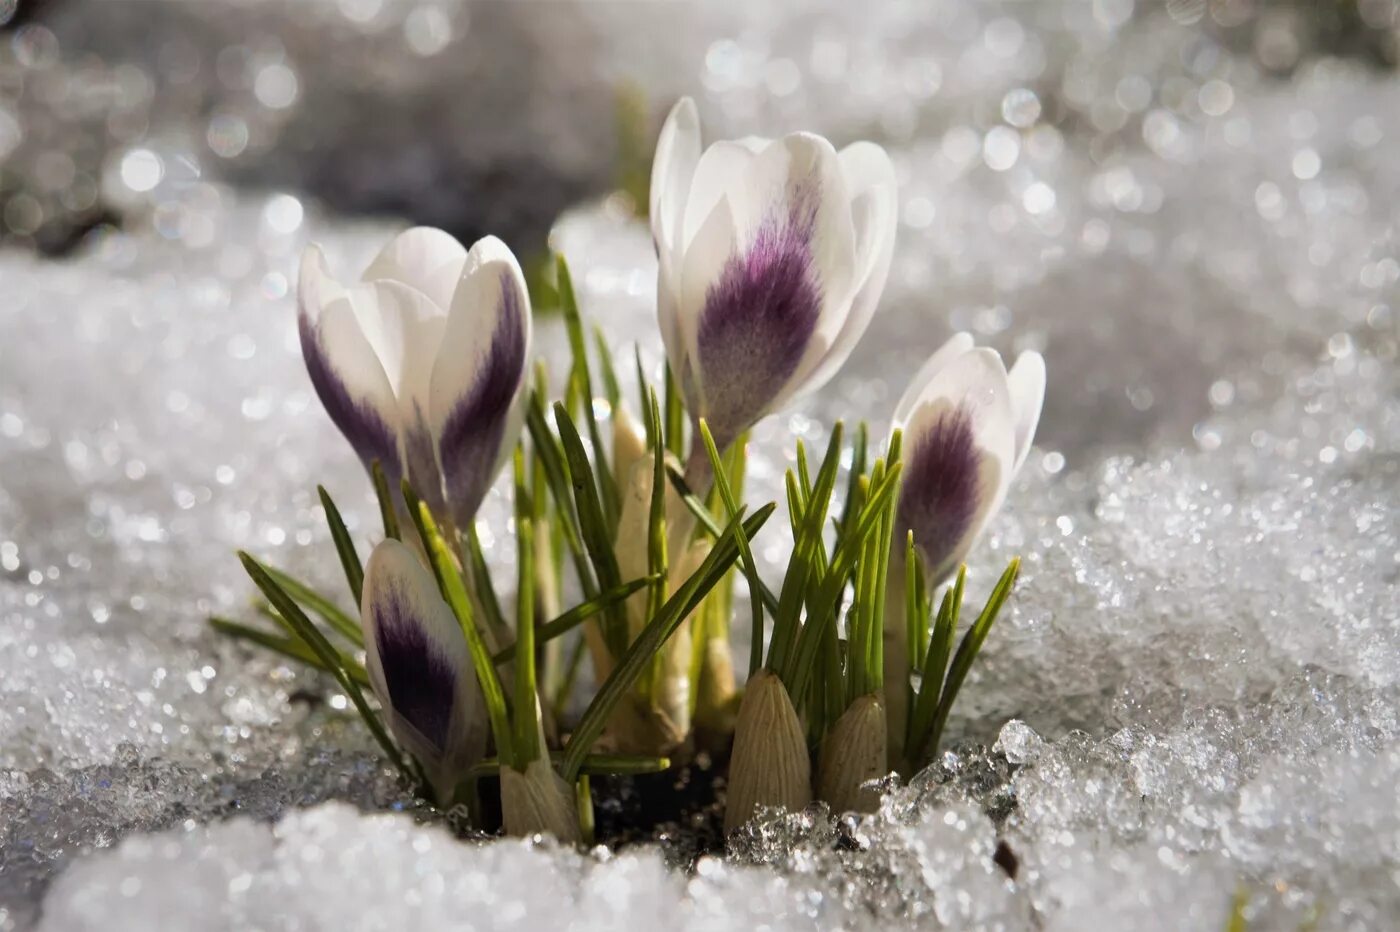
x: 871, y: 185
x: 959, y: 445
x: 343, y: 366
x: 1027, y: 381
x: 419, y: 666
x: 423, y: 258
x: 767, y: 274
x: 758, y: 318
x: 955, y: 346
x: 478, y: 375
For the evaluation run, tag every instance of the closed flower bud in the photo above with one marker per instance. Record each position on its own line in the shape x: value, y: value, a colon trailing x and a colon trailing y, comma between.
x: 420, y: 668
x: 852, y: 755
x: 537, y: 801
x: 770, y: 765
x: 421, y: 363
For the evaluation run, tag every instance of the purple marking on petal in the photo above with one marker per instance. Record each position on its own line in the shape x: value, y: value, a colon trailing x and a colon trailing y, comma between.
x: 422, y: 461
x: 421, y: 682
x: 362, y: 425
x: 758, y: 318
x: 470, y: 442
x: 942, y: 488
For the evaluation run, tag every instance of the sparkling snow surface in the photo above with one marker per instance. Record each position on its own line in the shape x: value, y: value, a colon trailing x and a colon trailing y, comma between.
x: 1194, y: 700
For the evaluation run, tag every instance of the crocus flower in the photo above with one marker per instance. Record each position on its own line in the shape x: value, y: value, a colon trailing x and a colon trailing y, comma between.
x: 421, y: 363
x: 420, y: 667
x: 968, y: 426
x: 772, y: 256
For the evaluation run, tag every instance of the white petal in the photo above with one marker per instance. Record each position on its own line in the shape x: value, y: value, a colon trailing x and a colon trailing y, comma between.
x: 1027, y: 380
x: 479, y: 373
x: 411, y: 332
x: 720, y: 173
x: 424, y: 258
x: 870, y: 179
x: 344, y: 367
x: 955, y: 346
x: 973, y: 385
x: 673, y: 166
x: 807, y: 165
x: 420, y: 667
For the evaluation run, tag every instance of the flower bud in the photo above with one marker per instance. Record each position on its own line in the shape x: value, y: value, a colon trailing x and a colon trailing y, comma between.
x: 537, y: 801
x: 770, y: 765
x: 852, y: 755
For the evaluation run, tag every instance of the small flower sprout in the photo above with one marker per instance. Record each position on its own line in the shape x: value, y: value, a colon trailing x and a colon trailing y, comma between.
x: 421, y: 363
x: 773, y: 256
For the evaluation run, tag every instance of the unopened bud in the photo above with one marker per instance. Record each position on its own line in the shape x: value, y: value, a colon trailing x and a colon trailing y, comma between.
x: 770, y: 765
x: 852, y: 755
x: 537, y: 801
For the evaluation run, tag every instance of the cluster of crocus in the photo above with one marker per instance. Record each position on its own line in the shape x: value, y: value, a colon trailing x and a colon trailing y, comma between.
x: 772, y: 257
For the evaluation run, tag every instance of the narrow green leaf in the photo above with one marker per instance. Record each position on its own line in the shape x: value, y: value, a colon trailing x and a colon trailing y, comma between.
x: 611, y: 390
x: 338, y: 620
x: 573, y: 324
x: 294, y: 616
x: 657, y: 558
x: 807, y: 545
x: 577, y: 615
x: 637, y: 656
x: 708, y: 523
x: 344, y: 546
x: 387, y: 512
x: 547, y: 448
x: 481, y: 585
x: 934, y: 667
x: 289, y: 647
x: 675, y: 415
x: 971, y: 644
x: 527, y: 722
x: 593, y: 764
x: 731, y: 507
x: 831, y: 583
x: 592, y: 523
x: 454, y: 591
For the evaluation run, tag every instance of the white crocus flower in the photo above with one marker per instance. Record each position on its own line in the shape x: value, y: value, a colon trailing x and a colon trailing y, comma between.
x: 420, y: 667
x: 773, y: 255
x: 422, y: 362
x: 968, y: 426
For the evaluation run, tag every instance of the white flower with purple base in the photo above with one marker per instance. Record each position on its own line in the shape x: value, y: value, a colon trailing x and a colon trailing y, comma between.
x: 773, y: 255
x: 421, y: 363
x: 968, y: 426
x: 420, y: 667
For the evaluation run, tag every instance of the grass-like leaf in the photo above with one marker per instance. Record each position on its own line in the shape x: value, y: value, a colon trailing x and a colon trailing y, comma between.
x: 289, y: 647
x: 454, y: 590
x: 577, y: 615
x: 649, y: 641
x: 332, y: 614
x: 731, y: 507
x: 573, y: 325
x: 387, y: 512
x: 711, y: 526
x: 287, y: 607
x: 593, y: 764
x: 969, y: 647
x: 592, y: 523
x: 344, y: 546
